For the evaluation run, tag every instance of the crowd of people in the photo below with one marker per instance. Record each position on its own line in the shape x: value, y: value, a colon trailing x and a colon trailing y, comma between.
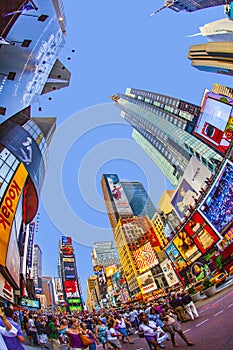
x: 157, y: 323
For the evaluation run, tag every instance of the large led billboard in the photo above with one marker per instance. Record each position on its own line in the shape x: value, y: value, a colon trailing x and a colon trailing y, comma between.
x: 30, y: 303
x: 186, y: 246
x: 192, y: 181
x: 169, y: 273
x: 69, y: 270
x: 146, y: 282
x: 71, y: 289
x: 175, y: 256
x: 201, y: 233
x: 145, y: 257
x: 118, y: 195
x: 217, y: 207
x: 66, y: 240
x: 215, y: 124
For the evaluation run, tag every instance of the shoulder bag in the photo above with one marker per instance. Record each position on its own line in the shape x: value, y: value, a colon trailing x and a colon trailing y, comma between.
x: 85, y: 339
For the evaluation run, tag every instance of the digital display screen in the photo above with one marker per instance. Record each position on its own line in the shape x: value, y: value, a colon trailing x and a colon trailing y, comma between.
x: 74, y: 301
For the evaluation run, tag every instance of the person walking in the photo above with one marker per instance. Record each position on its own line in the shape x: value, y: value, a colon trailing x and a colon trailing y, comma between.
x: 121, y: 327
x: 73, y: 334
x: 32, y: 329
x: 172, y: 326
x: 148, y: 329
x: 177, y: 305
x: 101, y: 333
x: 52, y: 333
x: 189, y: 305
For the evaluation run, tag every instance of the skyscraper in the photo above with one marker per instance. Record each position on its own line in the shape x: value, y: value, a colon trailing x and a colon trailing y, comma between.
x: 104, y: 254
x: 193, y: 5
x: 163, y: 127
x: 125, y: 199
x: 37, y: 267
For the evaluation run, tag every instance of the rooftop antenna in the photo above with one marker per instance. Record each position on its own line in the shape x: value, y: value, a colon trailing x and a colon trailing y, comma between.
x: 162, y: 8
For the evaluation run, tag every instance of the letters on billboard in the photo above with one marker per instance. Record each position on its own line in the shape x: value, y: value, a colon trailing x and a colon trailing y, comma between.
x: 147, y: 282
x: 217, y: 208
x: 119, y: 195
x: 71, y: 289
x: 66, y: 240
x: 202, y: 234
x: 8, y: 207
x: 215, y: 124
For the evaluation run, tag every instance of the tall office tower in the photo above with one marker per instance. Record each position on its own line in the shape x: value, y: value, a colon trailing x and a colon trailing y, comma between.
x: 48, y: 290
x: 125, y: 199
x: 193, y: 5
x: 213, y: 57
x: 70, y: 278
x: 163, y: 127
x: 223, y: 90
x: 172, y: 219
x: 37, y: 268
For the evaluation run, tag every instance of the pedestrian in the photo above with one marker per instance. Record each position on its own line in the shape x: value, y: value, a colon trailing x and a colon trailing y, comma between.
x: 121, y: 327
x: 189, y: 305
x: 172, y: 326
x: 101, y: 333
x: 7, y: 330
x: 52, y: 333
x: 148, y: 329
x: 177, y: 305
x: 112, y: 336
x: 91, y: 335
x: 32, y: 329
x: 13, y: 343
x: 73, y: 333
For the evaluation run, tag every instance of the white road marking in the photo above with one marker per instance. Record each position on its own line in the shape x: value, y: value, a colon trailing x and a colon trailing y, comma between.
x: 187, y: 330
x: 199, y: 324
x: 218, y: 313
x: 230, y: 305
x: 216, y: 302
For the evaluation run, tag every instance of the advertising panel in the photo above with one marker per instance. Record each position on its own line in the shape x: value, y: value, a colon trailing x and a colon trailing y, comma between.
x: 58, y: 285
x: 8, y: 207
x: 183, y: 198
x: 74, y: 301
x: 119, y: 195
x: 201, y: 233
x: 169, y: 273
x: 69, y: 270
x: 30, y: 303
x: 145, y: 257
x: 24, y: 147
x: 66, y: 240
x: 71, y: 289
x: 146, y: 282
x: 67, y: 251
x: 186, y: 246
x: 68, y: 259
x: 175, y: 256
x: 32, y: 227
x: 217, y: 207
x: 36, y: 59
x: 215, y: 124
x: 6, y: 290
x: 13, y: 257
x: 110, y: 270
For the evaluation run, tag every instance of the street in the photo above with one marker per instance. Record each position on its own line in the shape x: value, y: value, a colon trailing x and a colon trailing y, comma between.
x: 212, y: 330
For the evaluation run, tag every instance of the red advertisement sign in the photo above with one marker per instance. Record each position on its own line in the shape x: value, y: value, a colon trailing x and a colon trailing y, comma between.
x: 202, y: 234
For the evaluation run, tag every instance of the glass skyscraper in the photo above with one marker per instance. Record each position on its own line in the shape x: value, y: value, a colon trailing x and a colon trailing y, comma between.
x: 193, y: 5
x: 163, y: 127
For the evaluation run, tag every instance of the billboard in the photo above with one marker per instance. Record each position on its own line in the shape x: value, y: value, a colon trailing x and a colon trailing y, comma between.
x: 8, y: 208
x: 13, y: 257
x: 201, y: 233
x: 169, y: 273
x: 118, y: 195
x: 30, y: 303
x: 66, y: 240
x: 186, y: 246
x: 68, y: 259
x: 74, y: 301
x: 217, y: 207
x: 32, y: 227
x: 145, y: 257
x: 6, y: 290
x: 24, y: 147
x: 175, y: 256
x: 146, y: 282
x: 67, y: 251
x: 71, y: 289
x: 215, y: 124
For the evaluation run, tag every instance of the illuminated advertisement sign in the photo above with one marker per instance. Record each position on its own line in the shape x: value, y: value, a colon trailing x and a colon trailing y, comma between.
x: 146, y: 282
x: 118, y: 195
x: 201, y: 233
x: 169, y: 273
x: 32, y: 226
x: 75, y: 308
x: 67, y: 250
x: 217, y: 207
x: 145, y: 257
x: 30, y: 303
x: 215, y: 124
x: 32, y: 62
x: 66, y: 240
x: 110, y: 270
x: 25, y: 148
x: 8, y: 207
x: 69, y: 270
x: 13, y: 257
x: 186, y: 246
x: 71, y: 289
x: 74, y: 301
x: 6, y: 290
x: 175, y: 256
x: 68, y: 259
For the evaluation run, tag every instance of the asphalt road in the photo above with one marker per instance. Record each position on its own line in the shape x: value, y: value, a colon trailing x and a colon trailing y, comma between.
x: 211, y: 331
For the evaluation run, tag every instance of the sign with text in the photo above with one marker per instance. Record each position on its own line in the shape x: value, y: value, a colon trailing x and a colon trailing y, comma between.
x: 169, y: 273
x: 146, y: 282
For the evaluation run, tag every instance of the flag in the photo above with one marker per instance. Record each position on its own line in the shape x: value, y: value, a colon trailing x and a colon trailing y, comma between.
x: 3, y: 41
x: 26, y: 7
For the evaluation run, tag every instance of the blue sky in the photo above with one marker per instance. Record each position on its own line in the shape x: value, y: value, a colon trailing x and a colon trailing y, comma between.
x: 117, y: 45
